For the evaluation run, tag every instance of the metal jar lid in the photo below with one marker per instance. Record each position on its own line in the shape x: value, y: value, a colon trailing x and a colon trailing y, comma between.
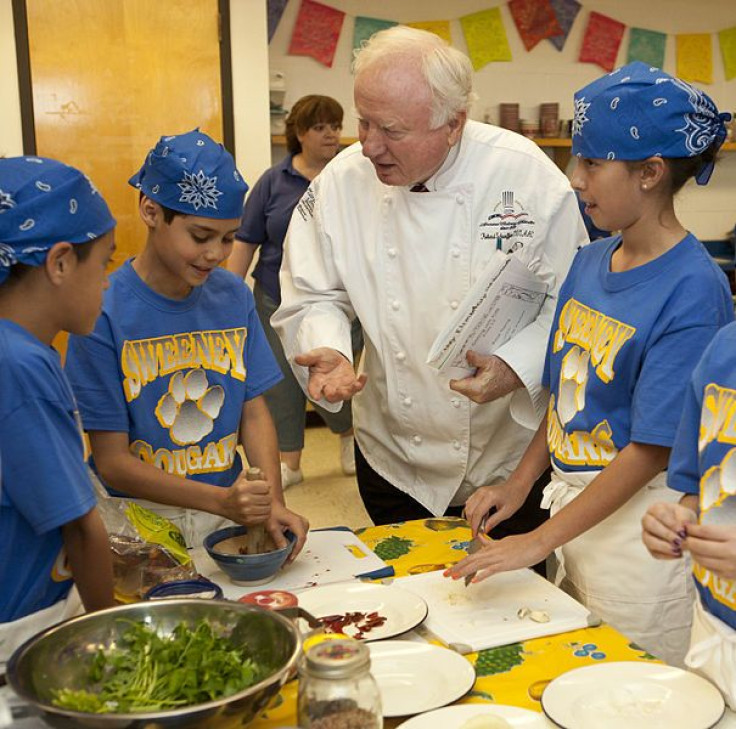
x: 337, y: 659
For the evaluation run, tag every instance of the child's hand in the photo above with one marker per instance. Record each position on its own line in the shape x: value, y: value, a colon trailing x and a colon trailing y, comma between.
x: 281, y: 519
x: 510, y: 553
x: 247, y: 502
x: 713, y: 547
x: 664, y: 529
x: 490, y: 505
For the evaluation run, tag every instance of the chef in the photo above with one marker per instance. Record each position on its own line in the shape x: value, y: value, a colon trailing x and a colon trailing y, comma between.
x: 394, y: 232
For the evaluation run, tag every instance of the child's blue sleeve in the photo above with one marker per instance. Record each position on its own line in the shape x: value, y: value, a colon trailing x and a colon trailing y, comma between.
x: 263, y: 371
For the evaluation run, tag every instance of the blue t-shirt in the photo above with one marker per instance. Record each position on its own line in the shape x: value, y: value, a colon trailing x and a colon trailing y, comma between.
x: 174, y: 374
x: 44, y: 482
x: 623, y: 346
x: 703, y: 458
x: 266, y: 218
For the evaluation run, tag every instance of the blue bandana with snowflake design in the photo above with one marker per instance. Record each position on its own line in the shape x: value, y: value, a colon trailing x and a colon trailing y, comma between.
x: 44, y: 202
x: 639, y: 111
x: 194, y: 175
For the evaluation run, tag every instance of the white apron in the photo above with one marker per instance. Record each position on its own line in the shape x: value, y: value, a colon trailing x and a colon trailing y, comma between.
x: 713, y: 652
x: 17, y: 632
x: 609, y: 570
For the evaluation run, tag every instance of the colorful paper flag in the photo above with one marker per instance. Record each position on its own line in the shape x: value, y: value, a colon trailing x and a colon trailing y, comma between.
x: 695, y: 57
x: 727, y: 40
x: 535, y: 20
x: 565, y: 11
x: 438, y: 27
x: 485, y: 37
x: 275, y: 10
x: 601, y: 41
x: 646, y: 46
x: 366, y: 27
x: 316, y: 32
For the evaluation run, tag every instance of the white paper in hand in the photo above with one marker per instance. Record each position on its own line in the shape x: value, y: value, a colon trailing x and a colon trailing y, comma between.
x: 506, y: 298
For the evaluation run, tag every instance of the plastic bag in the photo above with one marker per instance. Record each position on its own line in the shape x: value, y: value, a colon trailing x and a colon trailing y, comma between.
x: 147, y: 549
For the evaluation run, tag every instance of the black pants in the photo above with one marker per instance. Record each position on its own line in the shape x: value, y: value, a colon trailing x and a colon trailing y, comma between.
x: 386, y: 504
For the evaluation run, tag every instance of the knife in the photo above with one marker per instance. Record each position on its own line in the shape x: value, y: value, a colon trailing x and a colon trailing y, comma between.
x: 475, y: 545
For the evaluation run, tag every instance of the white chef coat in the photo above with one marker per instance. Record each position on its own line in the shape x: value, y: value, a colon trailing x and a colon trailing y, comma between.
x: 402, y: 262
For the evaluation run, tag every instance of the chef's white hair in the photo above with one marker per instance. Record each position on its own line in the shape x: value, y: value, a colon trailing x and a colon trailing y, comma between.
x: 447, y: 71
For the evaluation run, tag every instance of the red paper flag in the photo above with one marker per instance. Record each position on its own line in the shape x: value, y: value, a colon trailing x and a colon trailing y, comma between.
x: 535, y: 20
x: 316, y: 32
x: 601, y: 41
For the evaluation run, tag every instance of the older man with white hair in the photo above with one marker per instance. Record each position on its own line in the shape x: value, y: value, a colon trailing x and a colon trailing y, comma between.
x: 395, y: 231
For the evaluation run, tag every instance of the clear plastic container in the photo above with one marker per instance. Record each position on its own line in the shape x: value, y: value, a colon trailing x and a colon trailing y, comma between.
x: 336, y: 689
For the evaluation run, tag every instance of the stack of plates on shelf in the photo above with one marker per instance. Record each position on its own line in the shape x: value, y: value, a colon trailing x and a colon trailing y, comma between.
x: 549, y: 115
x: 508, y: 117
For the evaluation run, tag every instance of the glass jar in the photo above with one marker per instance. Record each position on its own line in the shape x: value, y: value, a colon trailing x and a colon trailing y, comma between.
x: 336, y: 689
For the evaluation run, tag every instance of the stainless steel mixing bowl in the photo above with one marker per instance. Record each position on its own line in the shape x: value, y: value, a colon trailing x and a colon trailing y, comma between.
x: 59, y: 657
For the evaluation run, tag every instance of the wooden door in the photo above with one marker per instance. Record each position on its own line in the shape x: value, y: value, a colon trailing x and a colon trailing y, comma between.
x: 109, y: 77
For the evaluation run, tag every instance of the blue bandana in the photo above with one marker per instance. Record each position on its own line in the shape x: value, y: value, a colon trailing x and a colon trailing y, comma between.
x: 44, y: 202
x: 194, y: 175
x: 638, y: 111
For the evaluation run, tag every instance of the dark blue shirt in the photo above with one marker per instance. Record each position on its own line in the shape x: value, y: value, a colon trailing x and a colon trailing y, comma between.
x: 266, y: 217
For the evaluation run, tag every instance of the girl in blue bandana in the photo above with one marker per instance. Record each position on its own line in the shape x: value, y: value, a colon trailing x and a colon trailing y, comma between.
x: 633, y: 317
x: 171, y: 381
x: 56, y: 239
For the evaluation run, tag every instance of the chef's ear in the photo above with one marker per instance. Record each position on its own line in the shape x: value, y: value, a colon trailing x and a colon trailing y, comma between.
x: 456, y: 125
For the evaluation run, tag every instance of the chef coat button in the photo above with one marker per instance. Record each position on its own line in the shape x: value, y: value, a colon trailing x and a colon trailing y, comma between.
x: 407, y: 401
x: 391, y: 252
x: 454, y: 304
x: 456, y: 445
x: 455, y: 402
x: 401, y: 356
x: 417, y: 439
x: 395, y: 304
x: 455, y: 252
x: 460, y: 200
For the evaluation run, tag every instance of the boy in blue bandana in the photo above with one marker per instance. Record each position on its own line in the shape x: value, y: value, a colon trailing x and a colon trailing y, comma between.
x: 633, y: 317
x: 703, y: 523
x: 171, y: 381
x: 56, y: 239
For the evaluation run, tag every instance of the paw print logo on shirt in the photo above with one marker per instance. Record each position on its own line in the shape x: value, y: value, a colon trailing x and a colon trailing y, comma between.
x: 190, y: 407
x: 717, y: 492
x: 573, y: 379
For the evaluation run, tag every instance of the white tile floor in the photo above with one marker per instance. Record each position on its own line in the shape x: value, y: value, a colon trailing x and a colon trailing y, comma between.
x: 326, y: 496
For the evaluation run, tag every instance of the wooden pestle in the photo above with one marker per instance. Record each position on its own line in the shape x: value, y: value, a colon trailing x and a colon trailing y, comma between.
x: 255, y: 537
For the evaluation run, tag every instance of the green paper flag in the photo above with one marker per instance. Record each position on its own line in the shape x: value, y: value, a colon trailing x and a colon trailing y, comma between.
x: 646, y: 46
x: 727, y: 40
x: 366, y: 27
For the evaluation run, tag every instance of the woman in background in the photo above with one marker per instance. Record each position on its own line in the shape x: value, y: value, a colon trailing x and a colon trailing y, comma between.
x: 312, y: 138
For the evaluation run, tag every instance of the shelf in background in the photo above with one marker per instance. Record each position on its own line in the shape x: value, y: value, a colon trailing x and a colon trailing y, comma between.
x: 560, y: 146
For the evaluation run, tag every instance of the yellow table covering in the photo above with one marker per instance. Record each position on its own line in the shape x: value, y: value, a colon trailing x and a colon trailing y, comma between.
x: 515, y: 674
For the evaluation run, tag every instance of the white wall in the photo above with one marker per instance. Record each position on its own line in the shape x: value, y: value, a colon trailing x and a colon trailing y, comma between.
x: 542, y: 75
x: 11, y: 138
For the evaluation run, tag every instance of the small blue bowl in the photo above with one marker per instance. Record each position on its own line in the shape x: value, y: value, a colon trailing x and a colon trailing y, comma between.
x: 201, y: 588
x: 247, y: 569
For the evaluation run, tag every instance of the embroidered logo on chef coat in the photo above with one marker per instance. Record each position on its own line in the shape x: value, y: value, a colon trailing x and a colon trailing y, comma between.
x: 509, y: 225
x: 305, y: 207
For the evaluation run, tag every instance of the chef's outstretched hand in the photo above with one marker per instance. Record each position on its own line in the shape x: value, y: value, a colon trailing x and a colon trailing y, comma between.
x: 331, y: 375
x: 492, y: 379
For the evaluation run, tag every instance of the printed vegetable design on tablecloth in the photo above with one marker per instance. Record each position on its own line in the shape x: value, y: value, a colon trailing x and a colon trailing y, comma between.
x: 393, y: 547
x: 499, y: 660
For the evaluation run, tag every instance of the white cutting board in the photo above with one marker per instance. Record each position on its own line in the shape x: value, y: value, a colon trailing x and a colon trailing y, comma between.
x: 330, y: 555
x: 485, y: 615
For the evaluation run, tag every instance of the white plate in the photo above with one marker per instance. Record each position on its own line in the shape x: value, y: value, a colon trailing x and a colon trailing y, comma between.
x: 415, y: 677
x: 455, y: 717
x: 634, y: 695
x: 402, y: 609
